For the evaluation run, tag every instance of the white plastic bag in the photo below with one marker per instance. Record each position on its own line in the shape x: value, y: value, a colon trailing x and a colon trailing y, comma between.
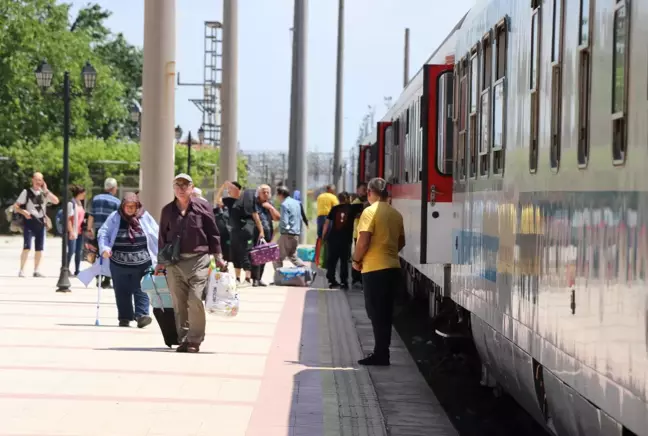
x: 222, y: 298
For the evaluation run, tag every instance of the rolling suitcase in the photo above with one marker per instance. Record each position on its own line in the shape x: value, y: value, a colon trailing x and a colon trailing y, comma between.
x: 158, y: 291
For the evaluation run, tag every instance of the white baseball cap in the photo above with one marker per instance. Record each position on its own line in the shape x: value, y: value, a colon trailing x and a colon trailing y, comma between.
x: 183, y: 176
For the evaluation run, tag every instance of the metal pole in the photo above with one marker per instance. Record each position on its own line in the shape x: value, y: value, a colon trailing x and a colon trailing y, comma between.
x: 158, y: 126
x: 301, y: 18
x: 406, y: 59
x: 64, y: 284
x: 229, y: 134
x: 292, y: 149
x: 337, y: 153
x: 189, y: 139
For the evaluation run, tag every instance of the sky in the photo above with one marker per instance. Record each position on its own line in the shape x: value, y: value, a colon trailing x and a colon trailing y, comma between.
x: 373, y: 59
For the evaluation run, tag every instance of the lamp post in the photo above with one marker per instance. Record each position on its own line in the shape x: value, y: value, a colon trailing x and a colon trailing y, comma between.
x: 136, y: 115
x: 201, y: 138
x: 44, y: 74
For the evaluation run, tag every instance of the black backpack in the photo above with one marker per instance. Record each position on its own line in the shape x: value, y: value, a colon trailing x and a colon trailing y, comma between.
x: 17, y: 219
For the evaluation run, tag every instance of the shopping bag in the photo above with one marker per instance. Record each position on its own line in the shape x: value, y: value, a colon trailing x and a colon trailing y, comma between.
x: 318, y: 249
x: 157, y: 288
x: 264, y: 253
x: 307, y: 254
x: 323, y: 255
x: 293, y: 276
x: 222, y: 298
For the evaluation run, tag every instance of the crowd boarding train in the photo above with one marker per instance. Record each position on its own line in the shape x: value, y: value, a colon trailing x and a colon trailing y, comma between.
x: 518, y: 156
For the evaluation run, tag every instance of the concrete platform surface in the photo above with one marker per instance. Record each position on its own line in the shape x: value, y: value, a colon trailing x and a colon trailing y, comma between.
x: 285, y: 366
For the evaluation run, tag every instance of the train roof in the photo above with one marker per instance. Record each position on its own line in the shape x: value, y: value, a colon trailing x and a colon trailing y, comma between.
x: 415, y: 84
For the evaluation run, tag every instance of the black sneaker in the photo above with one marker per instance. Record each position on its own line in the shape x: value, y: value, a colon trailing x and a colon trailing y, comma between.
x: 124, y: 323
x: 344, y: 286
x: 374, y: 360
x: 143, y: 321
x: 334, y: 285
x: 256, y: 283
x: 183, y: 348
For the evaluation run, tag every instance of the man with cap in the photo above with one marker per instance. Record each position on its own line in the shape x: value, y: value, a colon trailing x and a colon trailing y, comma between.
x: 188, y: 221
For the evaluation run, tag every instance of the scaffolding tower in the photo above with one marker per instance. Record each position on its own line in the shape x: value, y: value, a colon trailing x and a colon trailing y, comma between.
x: 210, y: 104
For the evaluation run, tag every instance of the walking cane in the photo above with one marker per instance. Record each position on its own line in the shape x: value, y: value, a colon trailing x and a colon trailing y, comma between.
x: 98, y: 292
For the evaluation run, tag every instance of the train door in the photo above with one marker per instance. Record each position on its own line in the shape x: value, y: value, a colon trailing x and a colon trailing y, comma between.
x: 438, y: 217
x: 363, y: 164
x: 379, y: 149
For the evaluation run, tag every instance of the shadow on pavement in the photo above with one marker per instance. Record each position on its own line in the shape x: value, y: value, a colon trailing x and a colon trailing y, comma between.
x: 333, y: 394
x: 152, y: 350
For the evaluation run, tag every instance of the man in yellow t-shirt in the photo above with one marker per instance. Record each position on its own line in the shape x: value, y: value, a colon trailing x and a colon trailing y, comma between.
x: 325, y: 202
x: 381, y: 236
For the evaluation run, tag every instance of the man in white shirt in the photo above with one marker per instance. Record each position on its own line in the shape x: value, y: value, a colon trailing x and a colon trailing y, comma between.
x: 32, y: 205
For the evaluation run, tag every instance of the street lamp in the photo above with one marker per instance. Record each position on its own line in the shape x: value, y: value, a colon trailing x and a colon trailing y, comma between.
x: 201, y: 135
x: 135, y: 112
x: 44, y: 74
x: 201, y: 138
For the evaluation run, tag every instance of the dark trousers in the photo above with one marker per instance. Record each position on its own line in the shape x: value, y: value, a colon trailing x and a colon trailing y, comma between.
x: 75, y: 248
x: 127, y: 281
x: 337, y: 251
x: 356, y: 276
x: 380, y: 289
x: 34, y: 228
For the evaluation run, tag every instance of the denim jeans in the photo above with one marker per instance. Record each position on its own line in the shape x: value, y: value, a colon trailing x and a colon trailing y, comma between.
x: 75, y: 247
x: 127, y: 283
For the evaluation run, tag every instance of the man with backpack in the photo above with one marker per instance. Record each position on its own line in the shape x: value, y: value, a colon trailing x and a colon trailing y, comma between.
x: 31, y: 205
x: 101, y: 207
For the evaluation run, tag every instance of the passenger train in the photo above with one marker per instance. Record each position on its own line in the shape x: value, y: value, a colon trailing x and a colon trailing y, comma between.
x: 518, y: 156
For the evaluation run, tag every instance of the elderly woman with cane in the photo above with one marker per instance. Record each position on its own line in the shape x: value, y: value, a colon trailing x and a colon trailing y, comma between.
x: 129, y: 238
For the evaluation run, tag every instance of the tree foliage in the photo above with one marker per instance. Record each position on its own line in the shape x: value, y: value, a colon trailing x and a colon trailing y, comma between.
x: 33, y: 30
x: 92, y: 160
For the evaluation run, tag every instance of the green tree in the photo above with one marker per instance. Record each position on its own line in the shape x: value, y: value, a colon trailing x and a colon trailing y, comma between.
x: 33, y: 30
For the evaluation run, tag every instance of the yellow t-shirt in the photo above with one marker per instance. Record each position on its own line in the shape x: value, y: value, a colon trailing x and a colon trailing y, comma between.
x: 357, y: 220
x: 386, y: 226
x: 325, y: 203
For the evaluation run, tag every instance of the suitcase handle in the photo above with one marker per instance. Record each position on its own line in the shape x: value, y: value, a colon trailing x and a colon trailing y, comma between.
x: 157, y: 292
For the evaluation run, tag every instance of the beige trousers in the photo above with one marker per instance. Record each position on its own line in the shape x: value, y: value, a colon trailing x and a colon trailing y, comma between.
x: 187, y: 280
x: 288, y: 249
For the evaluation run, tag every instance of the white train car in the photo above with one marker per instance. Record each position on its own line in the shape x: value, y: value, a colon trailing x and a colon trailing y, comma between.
x: 518, y: 156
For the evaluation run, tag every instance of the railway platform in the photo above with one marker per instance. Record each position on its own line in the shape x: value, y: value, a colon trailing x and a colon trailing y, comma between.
x: 285, y: 366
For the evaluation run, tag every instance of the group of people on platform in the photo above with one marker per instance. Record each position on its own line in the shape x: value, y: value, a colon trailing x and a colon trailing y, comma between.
x: 190, y: 231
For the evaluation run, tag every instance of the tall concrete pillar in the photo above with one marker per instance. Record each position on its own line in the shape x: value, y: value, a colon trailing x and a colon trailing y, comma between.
x: 339, y: 120
x: 229, y: 93
x: 158, y: 103
x: 292, y: 152
x: 301, y: 18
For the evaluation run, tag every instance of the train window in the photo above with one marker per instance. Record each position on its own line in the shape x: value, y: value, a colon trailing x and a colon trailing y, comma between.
x: 584, y: 25
x: 463, y: 96
x: 472, y: 127
x: 408, y: 148
x: 444, y: 123
x: 455, y: 120
x: 619, y: 80
x: 534, y: 69
x: 584, y: 85
x: 487, y: 72
x: 389, y: 148
x: 499, y: 98
x: 396, y: 152
x: 501, y: 35
x: 556, y: 84
x: 419, y: 129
